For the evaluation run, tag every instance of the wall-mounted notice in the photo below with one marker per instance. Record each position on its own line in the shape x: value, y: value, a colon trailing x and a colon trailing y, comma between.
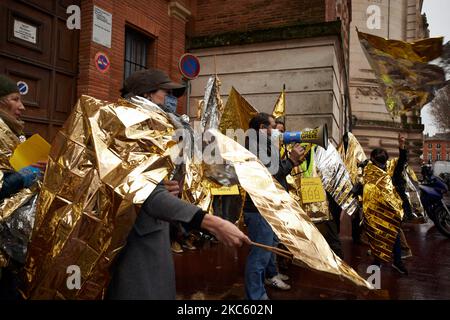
x: 25, y: 31
x: 102, y: 26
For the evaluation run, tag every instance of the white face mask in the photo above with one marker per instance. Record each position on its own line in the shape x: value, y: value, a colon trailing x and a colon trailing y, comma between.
x: 170, y: 102
x: 276, y: 137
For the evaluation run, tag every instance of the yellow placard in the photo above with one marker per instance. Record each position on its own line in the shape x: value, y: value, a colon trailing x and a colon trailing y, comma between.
x: 225, y: 190
x: 31, y: 151
x: 312, y: 190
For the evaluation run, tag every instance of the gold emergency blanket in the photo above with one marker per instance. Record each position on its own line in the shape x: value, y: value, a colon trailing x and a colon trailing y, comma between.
x: 410, y: 189
x: 103, y: 164
x: 237, y: 112
x: 352, y: 157
x: 8, y: 143
x: 279, y: 109
x: 291, y: 224
x: 382, y: 209
x: 236, y: 116
x: 335, y: 178
x: 406, y: 80
x: 9, y: 206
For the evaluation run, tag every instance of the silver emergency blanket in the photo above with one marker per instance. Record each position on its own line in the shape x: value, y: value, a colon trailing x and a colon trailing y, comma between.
x: 335, y: 178
x: 15, y: 230
x: 212, y: 106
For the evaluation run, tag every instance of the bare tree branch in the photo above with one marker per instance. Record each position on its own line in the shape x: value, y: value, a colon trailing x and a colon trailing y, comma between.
x: 440, y: 106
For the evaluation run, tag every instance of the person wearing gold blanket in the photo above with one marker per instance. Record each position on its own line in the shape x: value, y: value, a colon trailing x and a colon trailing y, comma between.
x: 144, y: 268
x: 382, y: 206
x: 16, y: 188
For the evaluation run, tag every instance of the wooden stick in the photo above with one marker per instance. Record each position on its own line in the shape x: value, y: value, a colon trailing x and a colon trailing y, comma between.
x: 275, y: 250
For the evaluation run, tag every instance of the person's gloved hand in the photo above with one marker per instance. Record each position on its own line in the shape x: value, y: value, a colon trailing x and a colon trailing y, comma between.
x: 30, y: 175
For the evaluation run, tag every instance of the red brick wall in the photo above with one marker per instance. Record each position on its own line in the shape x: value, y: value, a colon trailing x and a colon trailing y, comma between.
x: 149, y: 17
x: 434, y: 151
x: 213, y: 17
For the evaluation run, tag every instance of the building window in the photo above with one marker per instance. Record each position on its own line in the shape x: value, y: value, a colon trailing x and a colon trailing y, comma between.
x: 430, y: 145
x: 429, y: 157
x: 438, y: 157
x: 438, y: 145
x: 448, y: 157
x: 136, y: 51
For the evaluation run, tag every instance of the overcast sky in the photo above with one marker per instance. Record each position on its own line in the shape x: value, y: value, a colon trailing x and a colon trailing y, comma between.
x: 438, y: 18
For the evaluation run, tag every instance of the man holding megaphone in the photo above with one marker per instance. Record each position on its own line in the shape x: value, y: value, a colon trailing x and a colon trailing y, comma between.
x: 260, y: 264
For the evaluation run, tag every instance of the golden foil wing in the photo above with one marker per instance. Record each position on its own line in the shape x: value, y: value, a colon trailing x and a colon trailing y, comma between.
x: 212, y: 107
x: 423, y: 50
x: 291, y: 224
x: 237, y: 112
x: 335, y: 178
x: 279, y: 110
x: 406, y: 80
x: 196, y: 186
x: 352, y: 157
x: 103, y: 165
x: 383, y: 211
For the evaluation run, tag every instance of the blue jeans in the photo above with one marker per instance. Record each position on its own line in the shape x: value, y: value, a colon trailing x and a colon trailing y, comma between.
x: 260, y: 262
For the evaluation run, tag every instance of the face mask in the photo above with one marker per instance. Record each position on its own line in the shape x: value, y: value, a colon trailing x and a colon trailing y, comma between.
x: 170, y: 102
x: 276, y: 137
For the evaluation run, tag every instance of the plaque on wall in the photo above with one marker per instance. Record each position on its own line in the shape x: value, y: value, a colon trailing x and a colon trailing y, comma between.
x: 25, y: 31
x: 102, y: 26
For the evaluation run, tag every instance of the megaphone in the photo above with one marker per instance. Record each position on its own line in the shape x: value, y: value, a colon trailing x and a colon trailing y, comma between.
x: 317, y: 136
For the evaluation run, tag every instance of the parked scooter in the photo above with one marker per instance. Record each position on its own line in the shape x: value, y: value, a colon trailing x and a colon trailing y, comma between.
x: 432, y: 191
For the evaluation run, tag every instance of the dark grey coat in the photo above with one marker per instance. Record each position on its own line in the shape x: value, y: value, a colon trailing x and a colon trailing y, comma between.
x: 144, y: 268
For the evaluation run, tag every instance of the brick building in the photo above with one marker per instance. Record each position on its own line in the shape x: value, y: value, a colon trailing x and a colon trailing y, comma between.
x: 258, y: 46
x: 436, y: 148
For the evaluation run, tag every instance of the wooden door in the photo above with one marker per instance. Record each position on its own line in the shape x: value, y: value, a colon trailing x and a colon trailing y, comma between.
x: 38, y: 49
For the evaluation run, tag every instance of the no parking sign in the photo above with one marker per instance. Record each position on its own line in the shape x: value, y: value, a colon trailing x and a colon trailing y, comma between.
x: 189, y: 66
x: 23, y: 87
x: 102, y: 62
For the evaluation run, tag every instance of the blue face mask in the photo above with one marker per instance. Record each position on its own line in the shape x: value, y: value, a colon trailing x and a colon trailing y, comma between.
x: 170, y: 102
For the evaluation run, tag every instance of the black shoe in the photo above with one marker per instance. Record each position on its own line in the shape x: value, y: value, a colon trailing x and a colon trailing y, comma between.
x: 400, y: 267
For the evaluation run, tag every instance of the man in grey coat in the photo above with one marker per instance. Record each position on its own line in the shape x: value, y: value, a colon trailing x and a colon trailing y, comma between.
x: 144, y: 268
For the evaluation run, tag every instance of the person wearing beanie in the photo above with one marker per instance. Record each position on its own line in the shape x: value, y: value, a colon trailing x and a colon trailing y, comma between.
x: 12, y: 184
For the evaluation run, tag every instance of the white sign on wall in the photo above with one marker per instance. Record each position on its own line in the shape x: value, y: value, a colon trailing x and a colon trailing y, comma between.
x: 102, y: 26
x: 25, y: 31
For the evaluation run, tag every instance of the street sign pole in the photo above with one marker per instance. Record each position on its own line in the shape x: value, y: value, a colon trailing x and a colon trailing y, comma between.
x: 188, y: 95
x: 189, y: 66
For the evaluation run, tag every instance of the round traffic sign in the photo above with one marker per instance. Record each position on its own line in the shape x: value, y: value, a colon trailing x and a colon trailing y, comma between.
x: 102, y: 62
x: 23, y: 87
x: 189, y: 66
